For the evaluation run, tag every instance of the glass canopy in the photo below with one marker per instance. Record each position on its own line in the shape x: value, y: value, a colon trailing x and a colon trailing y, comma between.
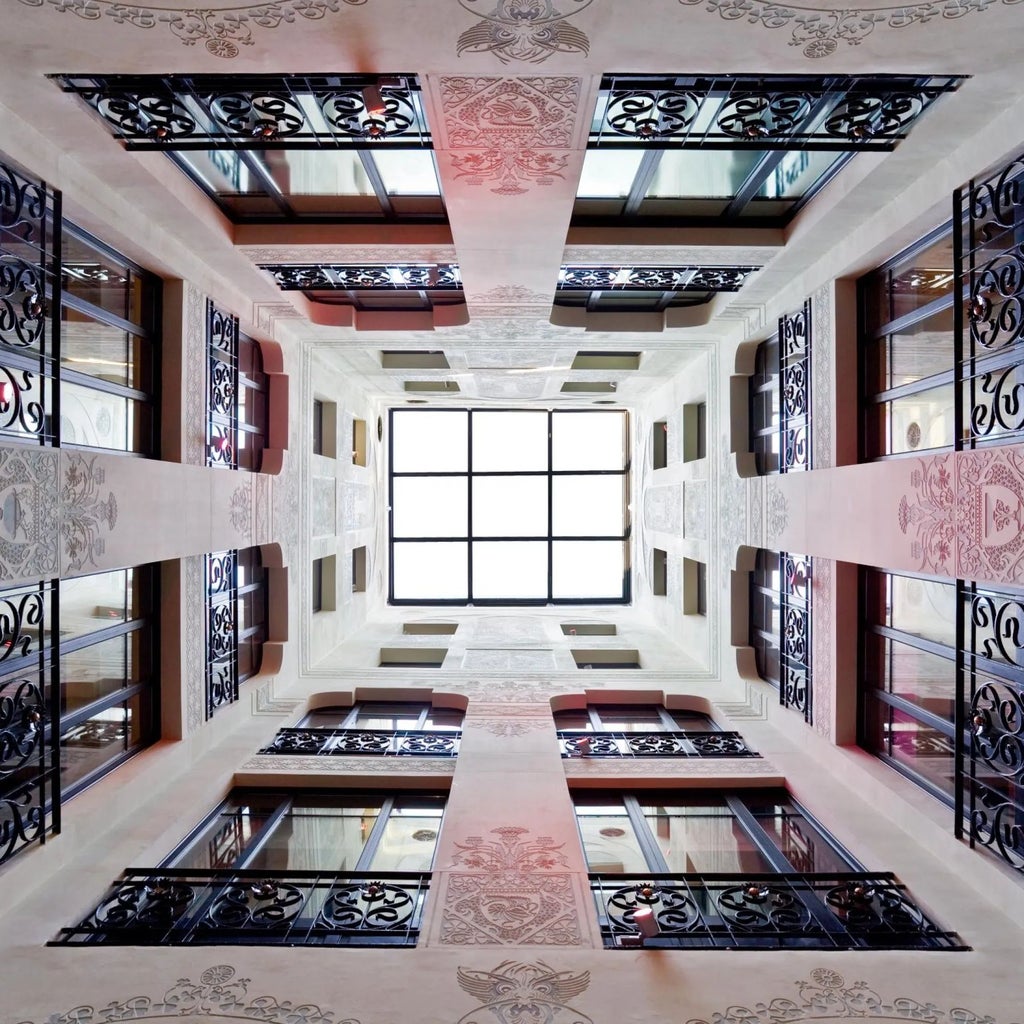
x: 509, y: 507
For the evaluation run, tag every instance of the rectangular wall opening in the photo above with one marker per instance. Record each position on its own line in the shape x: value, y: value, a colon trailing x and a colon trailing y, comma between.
x: 606, y: 361
x: 429, y: 628
x: 325, y: 584
x: 414, y: 361
x: 431, y: 385
x: 588, y: 628
x: 359, y: 570
x: 412, y: 657
x: 571, y: 387
x: 359, y: 442
x: 659, y: 573
x: 659, y: 444
x: 695, y: 428
x: 325, y: 428
x: 695, y: 587
x: 604, y: 658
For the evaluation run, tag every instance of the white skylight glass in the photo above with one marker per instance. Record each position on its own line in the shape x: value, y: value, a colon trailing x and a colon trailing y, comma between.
x: 407, y: 172
x: 608, y: 173
x: 507, y: 523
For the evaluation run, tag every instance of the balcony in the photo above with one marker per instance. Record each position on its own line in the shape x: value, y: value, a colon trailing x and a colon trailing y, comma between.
x: 851, y: 910
x: 653, y: 744
x: 345, y: 742
x: 179, y: 907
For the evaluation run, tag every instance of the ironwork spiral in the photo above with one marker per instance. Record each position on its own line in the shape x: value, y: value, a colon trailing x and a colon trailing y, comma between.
x: 860, y: 118
x: 591, y: 744
x: 22, y: 817
x: 221, y: 572
x: 152, y: 115
x: 22, y: 724
x: 674, y: 911
x: 427, y: 744
x: 259, y: 905
x: 222, y: 388
x: 995, y: 823
x: 654, y: 743
x: 22, y: 207
x: 266, y: 116
x: 22, y: 622
x: 374, y: 906
x: 865, y: 906
x: 711, y: 744
x: 995, y: 202
x: 762, y: 906
x: 763, y: 116
x: 154, y: 903
x: 649, y: 115
x: 222, y: 631
x: 347, y: 113
x: 998, y: 628
x: 22, y: 306
x: 996, y: 717
x: 995, y: 311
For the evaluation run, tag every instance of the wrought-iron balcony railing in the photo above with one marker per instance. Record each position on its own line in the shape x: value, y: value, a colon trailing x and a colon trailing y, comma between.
x: 333, y: 742
x: 653, y: 744
x: 766, y: 911
x: 177, y: 907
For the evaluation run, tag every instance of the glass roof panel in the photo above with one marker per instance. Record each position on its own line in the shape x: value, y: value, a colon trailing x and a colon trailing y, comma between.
x: 587, y: 506
x: 510, y: 506
x: 510, y: 441
x: 407, y: 172
x: 430, y: 571
x: 608, y: 173
x: 711, y: 174
x: 429, y: 441
x: 588, y: 441
x: 588, y: 570
x: 510, y: 570
x: 430, y: 506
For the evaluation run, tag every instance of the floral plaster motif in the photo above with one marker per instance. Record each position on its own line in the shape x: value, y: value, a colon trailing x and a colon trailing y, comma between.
x: 672, y: 768
x: 524, y: 30
x: 990, y: 515
x: 220, y: 27
x: 28, y: 513
x: 525, y: 992
x: 397, y: 766
x: 194, y: 358
x: 695, y: 509
x: 194, y: 603
x: 509, y: 726
x: 240, y: 511
x: 509, y: 894
x: 824, y: 623
x: 928, y: 515
x: 83, y: 512
x: 217, y: 993
x: 778, y: 513
x: 512, y: 131
x: 822, y: 346
x: 827, y: 996
x: 819, y: 30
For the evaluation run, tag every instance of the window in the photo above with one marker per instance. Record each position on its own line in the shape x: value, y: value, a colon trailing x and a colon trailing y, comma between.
x: 359, y: 570
x: 281, y: 147
x: 508, y: 507
x: 374, y: 728
x: 604, y: 657
x: 695, y: 431
x: 408, y: 360
x: 695, y: 587
x: 701, y: 149
x: 780, y: 626
x: 643, y: 730
x: 747, y: 870
x: 273, y: 868
x: 98, y: 388
x: 780, y: 397
x: 659, y: 444
x: 907, y: 314
x: 588, y: 628
x: 659, y: 572
x: 236, y: 620
x: 606, y: 361
x: 412, y: 657
x: 325, y: 587
x: 359, y: 446
x: 429, y: 628
x: 92, y: 690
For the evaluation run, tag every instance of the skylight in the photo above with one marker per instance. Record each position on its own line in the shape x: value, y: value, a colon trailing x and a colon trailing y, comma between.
x: 509, y: 506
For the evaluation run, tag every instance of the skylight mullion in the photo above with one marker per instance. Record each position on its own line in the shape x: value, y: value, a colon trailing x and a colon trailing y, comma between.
x: 642, y: 182
x: 379, y: 188
x: 551, y: 509
x: 469, y: 505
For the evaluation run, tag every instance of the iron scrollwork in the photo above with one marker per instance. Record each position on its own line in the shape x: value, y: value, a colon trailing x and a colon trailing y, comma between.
x: 337, y: 742
x: 654, y: 744
x: 795, y: 629
x: 222, y: 388
x: 221, y: 630
x: 842, y: 112
x: 795, y: 389
x: 254, y: 112
x: 990, y: 746
x: 677, y: 279
x: 365, y: 277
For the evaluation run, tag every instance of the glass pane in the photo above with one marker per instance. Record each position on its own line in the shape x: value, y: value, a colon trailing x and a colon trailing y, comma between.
x: 609, y: 843
x: 921, y: 678
x: 100, y: 279
x: 430, y: 506
x: 797, y: 173
x: 921, y: 749
x: 326, y: 718
x: 510, y: 506
x: 573, y: 720
x: 510, y: 441
x: 430, y: 571
x: 444, y: 719
x: 923, y: 420
x: 588, y: 441
x: 801, y: 843
x: 87, y: 747
x: 408, y: 841
x: 608, y: 173
x: 923, y: 278
x: 703, y: 838
x: 93, y: 672
x: 407, y: 172
x: 223, y: 841
x: 91, y: 603
x: 926, y: 608
x: 922, y: 350
x: 588, y: 506
x: 702, y: 173
x: 312, y: 172
x: 100, y: 350
x: 638, y: 719
x: 315, y: 840
x: 429, y: 442
x: 510, y: 569
x: 389, y: 717
x: 588, y: 569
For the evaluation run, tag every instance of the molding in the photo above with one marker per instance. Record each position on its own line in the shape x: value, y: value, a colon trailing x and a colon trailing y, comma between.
x: 754, y: 708
x: 194, y: 638
x: 671, y: 768
x: 277, y: 764
x: 265, y: 703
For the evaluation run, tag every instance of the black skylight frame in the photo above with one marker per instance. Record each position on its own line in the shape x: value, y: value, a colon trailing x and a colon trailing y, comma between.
x: 607, y: 288
x: 626, y: 593
x: 775, y: 114
x: 244, y: 114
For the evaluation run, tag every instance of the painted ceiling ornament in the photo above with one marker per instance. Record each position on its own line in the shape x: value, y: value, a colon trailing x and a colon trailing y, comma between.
x: 524, y: 30
x: 222, y: 27
x: 820, y: 30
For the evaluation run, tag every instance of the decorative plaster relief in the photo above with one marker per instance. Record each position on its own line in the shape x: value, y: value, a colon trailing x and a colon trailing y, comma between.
x: 512, y: 131
x: 820, y: 30
x: 778, y: 513
x: 352, y: 254
x: 821, y: 642
x: 753, y: 708
x: 357, y: 507
x: 218, y: 993
x: 695, y: 509
x: 509, y: 691
x: 287, y: 514
x: 514, y: 295
x: 827, y: 997
x: 507, y: 629
x: 480, y: 709
x: 514, y: 991
x: 510, y: 894
x: 83, y: 512
x: 510, y: 726
x: 670, y: 768
x: 272, y: 764
x: 508, y: 660
x: 193, y: 355
x: 929, y: 516
x: 193, y: 599
x: 732, y: 511
x: 240, y: 511
x: 671, y: 255
x: 265, y: 703
x: 222, y: 27
x: 261, y: 533
x: 28, y: 513
x: 755, y: 496
x: 268, y: 313
x: 493, y: 385
x: 524, y: 30
x: 989, y: 515
x: 823, y: 343
x: 325, y: 507
x: 661, y: 508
